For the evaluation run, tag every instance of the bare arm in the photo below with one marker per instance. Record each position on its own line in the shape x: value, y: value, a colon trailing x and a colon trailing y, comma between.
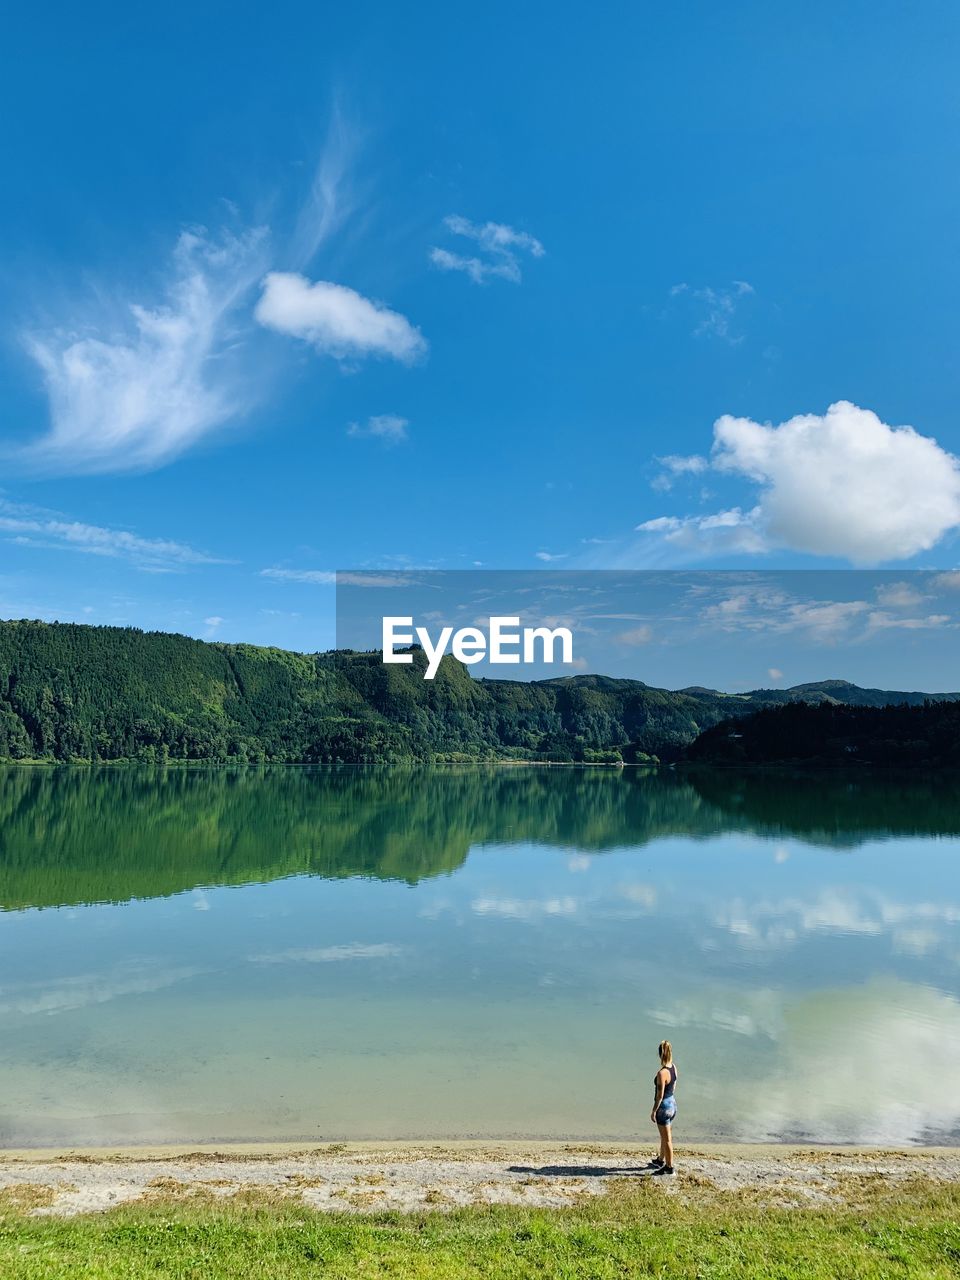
x: 661, y: 1083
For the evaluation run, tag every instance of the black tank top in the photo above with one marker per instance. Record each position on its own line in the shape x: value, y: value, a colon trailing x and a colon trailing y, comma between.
x: 668, y: 1087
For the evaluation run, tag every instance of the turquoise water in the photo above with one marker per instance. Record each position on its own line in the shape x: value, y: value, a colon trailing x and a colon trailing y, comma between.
x: 368, y: 953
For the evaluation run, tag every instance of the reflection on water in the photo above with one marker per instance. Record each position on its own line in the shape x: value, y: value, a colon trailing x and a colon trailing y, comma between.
x: 310, y: 953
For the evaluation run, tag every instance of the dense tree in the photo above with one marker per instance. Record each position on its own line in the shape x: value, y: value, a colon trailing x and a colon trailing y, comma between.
x: 80, y: 693
x: 827, y: 733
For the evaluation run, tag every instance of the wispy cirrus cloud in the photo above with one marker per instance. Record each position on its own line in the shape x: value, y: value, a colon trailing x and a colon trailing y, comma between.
x: 138, y: 373
x: 880, y: 620
x: 332, y: 197
x: 131, y: 385
x: 386, y: 427
x: 763, y: 607
x: 674, y: 466
x: 330, y: 578
x: 716, y: 308
x: 316, y: 577
x: 36, y: 527
x: 768, y: 607
x: 900, y: 595
x: 500, y: 249
x: 331, y: 955
x: 733, y: 531
x: 635, y: 635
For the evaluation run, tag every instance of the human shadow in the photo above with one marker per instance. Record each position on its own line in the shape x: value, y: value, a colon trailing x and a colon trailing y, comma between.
x: 582, y: 1170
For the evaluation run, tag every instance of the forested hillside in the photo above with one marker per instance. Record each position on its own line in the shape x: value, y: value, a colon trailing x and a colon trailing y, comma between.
x: 79, y: 693
x: 799, y: 733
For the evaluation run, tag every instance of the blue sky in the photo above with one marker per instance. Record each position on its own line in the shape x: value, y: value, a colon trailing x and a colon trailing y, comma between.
x: 731, y: 629
x: 294, y: 288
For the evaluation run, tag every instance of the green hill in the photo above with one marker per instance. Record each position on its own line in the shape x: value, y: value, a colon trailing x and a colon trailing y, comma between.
x: 830, y: 733
x: 842, y: 692
x: 80, y: 693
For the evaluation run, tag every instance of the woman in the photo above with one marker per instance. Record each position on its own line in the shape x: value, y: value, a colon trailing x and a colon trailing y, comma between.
x: 664, y: 1109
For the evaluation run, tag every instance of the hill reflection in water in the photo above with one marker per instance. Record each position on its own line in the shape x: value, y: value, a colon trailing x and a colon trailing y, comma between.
x: 71, y: 836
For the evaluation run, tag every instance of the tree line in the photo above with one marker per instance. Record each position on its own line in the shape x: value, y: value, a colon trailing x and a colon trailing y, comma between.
x: 833, y: 734
x: 72, y: 693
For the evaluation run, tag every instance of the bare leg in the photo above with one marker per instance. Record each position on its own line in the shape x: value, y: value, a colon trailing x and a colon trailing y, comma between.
x: 666, y: 1144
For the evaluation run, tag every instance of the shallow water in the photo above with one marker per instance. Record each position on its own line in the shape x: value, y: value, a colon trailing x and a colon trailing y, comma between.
x: 205, y: 954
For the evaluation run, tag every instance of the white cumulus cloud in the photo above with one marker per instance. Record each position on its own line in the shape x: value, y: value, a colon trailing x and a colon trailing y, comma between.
x: 843, y: 484
x: 336, y: 320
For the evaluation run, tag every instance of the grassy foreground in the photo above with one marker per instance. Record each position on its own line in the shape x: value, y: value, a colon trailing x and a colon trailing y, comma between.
x: 635, y: 1230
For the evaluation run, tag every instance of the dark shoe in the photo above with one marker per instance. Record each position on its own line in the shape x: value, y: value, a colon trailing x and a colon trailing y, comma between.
x: 665, y: 1171
x: 655, y: 1163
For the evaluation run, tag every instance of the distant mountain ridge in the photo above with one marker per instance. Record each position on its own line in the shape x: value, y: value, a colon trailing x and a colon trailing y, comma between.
x: 840, y: 691
x: 71, y: 692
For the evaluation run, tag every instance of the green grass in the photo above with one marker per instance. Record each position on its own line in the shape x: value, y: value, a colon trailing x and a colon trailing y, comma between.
x: 633, y: 1231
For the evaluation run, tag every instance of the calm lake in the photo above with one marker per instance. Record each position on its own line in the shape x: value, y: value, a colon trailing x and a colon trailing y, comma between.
x: 207, y: 954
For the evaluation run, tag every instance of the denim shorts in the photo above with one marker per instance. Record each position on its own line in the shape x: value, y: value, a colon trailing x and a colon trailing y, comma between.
x: 666, y: 1111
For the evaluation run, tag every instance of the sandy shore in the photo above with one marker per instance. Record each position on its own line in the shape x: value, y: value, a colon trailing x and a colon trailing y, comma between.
x: 370, y: 1177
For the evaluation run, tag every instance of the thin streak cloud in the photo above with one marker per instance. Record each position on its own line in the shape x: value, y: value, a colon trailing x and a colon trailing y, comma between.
x: 499, y: 247
x: 33, y: 526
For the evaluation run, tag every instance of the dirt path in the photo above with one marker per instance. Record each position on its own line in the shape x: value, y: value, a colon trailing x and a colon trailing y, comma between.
x: 370, y: 1177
